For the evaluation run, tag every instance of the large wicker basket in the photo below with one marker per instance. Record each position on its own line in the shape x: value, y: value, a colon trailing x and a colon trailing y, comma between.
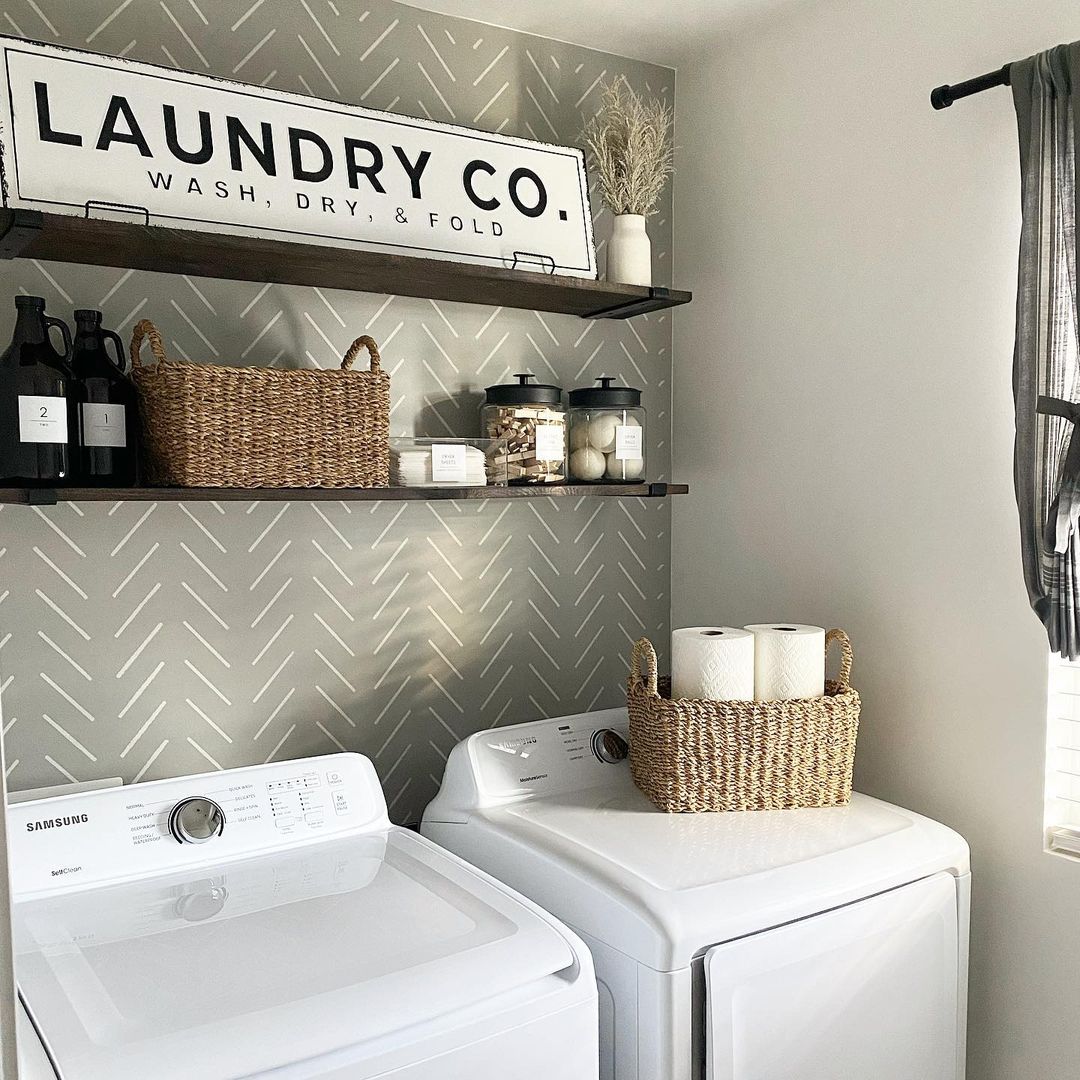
x: 207, y: 425
x: 690, y: 756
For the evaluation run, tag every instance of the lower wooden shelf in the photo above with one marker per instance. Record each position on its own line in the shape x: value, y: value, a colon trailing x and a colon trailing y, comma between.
x: 52, y: 496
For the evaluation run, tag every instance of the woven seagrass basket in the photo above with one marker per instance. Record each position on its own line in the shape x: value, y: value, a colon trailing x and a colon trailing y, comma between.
x: 690, y: 756
x: 207, y: 425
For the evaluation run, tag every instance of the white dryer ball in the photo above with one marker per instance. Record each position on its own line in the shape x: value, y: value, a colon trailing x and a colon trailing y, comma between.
x: 587, y: 464
x: 579, y: 435
x: 602, y: 432
x: 627, y: 469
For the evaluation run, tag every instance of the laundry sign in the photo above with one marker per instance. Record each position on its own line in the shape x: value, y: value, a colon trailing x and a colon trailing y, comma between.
x: 107, y: 137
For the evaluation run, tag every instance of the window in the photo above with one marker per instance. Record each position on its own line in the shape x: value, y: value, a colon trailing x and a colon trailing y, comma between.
x: 1063, y: 758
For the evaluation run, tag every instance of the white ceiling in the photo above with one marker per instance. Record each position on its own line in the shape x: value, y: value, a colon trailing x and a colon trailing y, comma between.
x: 660, y: 31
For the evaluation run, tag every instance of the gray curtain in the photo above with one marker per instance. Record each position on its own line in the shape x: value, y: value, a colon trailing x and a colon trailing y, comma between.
x: 1046, y: 367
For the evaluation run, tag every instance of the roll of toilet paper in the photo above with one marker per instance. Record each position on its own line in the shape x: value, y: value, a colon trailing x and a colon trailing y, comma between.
x: 712, y: 663
x: 789, y: 661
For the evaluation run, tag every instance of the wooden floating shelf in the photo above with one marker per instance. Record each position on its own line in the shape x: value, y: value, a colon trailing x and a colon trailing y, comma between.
x: 52, y: 496
x: 100, y: 242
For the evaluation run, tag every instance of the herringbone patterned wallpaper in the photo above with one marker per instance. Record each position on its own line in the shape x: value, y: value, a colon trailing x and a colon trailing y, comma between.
x: 148, y: 640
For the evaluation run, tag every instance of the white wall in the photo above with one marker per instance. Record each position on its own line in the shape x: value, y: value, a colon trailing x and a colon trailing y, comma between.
x: 843, y: 415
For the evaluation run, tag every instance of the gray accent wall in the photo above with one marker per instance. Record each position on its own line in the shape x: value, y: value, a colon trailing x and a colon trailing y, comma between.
x: 150, y: 640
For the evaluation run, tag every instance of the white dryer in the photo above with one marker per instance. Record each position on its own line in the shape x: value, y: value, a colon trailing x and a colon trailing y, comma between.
x: 270, y: 922
x: 794, y: 945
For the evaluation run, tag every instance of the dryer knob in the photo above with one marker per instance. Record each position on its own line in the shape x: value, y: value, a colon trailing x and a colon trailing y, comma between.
x: 194, y: 821
x: 609, y: 746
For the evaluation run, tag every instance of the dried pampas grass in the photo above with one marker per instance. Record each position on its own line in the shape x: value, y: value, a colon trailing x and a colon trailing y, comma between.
x: 628, y: 140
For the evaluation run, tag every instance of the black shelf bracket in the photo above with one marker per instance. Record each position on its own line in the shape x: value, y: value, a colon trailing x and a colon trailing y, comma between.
x: 40, y: 497
x: 19, y: 228
x: 658, y: 491
x: 659, y: 298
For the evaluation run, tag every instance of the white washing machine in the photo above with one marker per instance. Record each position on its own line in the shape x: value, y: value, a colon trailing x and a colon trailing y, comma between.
x: 793, y: 945
x: 270, y: 922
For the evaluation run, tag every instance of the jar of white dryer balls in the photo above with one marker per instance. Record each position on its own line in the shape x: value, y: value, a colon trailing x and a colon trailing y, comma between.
x: 607, y: 434
x: 529, y: 422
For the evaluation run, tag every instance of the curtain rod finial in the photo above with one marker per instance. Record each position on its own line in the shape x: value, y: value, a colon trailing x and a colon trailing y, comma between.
x: 941, y: 97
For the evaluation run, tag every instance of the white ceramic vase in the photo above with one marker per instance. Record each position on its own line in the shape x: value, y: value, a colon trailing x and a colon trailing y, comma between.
x: 629, y: 259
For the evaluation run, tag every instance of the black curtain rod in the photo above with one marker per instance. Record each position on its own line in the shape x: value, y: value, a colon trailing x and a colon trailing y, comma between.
x: 943, y: 96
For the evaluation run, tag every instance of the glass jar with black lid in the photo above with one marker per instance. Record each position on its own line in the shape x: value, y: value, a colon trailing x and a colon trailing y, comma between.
x: 529, y: 421
x: 607, y: 434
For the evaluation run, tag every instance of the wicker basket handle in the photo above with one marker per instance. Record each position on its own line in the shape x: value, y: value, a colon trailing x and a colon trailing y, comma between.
x: 644, y: 653
x: 144, y: 328
x: 362, y: 342
x: 846, y: 657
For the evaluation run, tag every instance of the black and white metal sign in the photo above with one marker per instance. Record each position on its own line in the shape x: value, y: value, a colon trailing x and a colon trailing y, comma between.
x: 81, y: 133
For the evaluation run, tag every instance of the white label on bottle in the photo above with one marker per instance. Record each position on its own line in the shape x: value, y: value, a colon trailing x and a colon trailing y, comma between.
x: 448, y: 463
x: 104, y: 425
x: 42, y: 419
x: 549, y: 442
x: 627, y: 442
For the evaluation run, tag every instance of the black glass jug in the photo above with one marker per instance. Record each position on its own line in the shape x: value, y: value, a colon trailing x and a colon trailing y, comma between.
x: 107, y: 409
x: 35, y: 387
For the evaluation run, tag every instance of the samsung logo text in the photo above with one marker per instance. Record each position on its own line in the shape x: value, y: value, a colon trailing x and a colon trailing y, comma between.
x: 57, y: 822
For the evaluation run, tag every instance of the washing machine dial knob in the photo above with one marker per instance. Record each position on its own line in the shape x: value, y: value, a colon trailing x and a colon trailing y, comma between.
x: 609, y: 746
x: 204, y: 902
x: 194, y: 821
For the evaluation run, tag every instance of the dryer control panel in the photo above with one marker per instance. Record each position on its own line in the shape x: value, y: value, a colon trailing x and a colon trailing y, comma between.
x: 129, y: 832
x: 508, y: 764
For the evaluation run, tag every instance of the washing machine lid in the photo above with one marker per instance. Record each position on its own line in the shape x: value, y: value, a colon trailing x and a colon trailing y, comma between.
x: 273, y: 960
x: 659, y: 886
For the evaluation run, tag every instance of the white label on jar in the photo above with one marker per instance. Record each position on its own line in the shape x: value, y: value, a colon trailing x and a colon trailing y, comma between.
x: 549, y: 442
x: 104, y: 425
x: 42, y: 419
x: 627, y: 442
x: 448, y: 463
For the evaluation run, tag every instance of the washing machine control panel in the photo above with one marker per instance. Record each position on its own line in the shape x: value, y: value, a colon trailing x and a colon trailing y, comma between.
x: 154, y: 827
x: 549, y: 756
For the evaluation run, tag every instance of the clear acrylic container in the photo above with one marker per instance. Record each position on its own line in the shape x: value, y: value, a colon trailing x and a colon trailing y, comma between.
x: 607, y: 434
x: 438, y: 463
x: 530, y: 420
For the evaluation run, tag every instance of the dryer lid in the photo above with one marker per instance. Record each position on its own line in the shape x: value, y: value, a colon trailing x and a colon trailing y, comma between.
x: 664, y: 886
x: 573, y: 833
x: 272, y: 960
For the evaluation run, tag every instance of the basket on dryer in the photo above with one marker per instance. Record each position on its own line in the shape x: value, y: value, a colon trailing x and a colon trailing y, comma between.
x: 689, y: 755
